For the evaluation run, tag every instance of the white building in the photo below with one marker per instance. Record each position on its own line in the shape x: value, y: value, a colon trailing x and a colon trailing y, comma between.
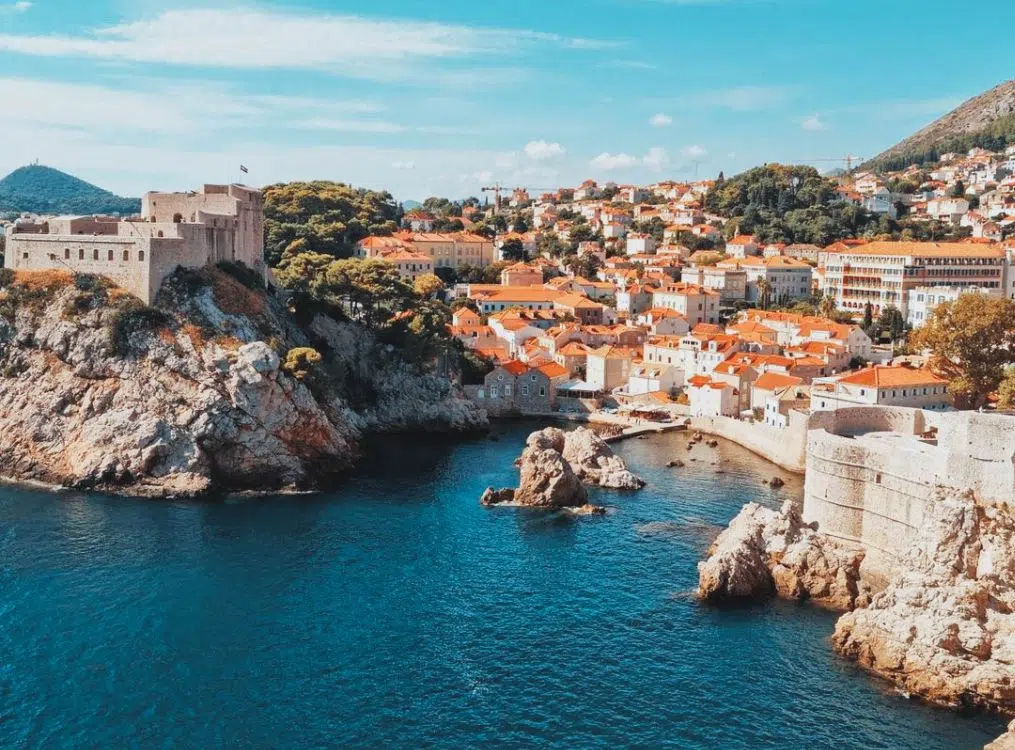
x: 881, y: 385
x: 922, y: 300
x: 711, y: 398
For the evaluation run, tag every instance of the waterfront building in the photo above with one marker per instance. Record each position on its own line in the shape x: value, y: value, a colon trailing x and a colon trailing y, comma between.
x: 882, y: 385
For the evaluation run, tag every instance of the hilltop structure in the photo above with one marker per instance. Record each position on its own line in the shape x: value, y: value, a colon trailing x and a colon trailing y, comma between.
x: 194, y: 229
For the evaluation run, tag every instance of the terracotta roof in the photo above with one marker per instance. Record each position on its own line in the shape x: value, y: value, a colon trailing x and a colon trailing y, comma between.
x: 553, y: 370
x: 770, y: 381
x: 515, y: 367
x: 929, y: 249
x: 887, y: 376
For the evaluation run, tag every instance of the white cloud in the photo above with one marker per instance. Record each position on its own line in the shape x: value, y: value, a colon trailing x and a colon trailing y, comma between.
x: 407, y: 164
x: 253, y: 38
x: 813, y: 123
x: 608, y: 162
x: 661, y: 120
x: 656, y: 159
x: 543, y: 151
x: 694, y: 152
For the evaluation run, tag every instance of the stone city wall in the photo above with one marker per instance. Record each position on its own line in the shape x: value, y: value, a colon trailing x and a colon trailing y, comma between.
x: 873, y: 492
x: 785, y: 447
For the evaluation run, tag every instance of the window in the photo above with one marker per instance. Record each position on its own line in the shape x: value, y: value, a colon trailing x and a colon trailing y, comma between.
x: 126, y: 254
x: 525, y: 389
x: 542, y: 391
x: 95, y: 254
x: 140, y: 254
x: 24, y: 256
x: 66, y: 253
x: 110, y: 255
x: 81, y: 253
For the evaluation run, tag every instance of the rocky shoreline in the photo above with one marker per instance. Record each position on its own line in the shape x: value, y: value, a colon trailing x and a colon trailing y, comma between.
x: 942, y: 629
x: 198, y: 394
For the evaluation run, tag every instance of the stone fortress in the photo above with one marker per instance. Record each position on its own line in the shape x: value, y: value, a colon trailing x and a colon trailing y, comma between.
x: 194, y: 229
x: 872, y: 471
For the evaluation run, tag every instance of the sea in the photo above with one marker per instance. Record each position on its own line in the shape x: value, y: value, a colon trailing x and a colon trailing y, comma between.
x: 396, y: 612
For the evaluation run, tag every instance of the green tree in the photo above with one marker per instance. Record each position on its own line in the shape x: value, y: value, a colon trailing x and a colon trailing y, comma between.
x: 428, y: 285
x: 892, y: 322
x: 972, y: 341
x: 958, y: 189
x: 1006, y: 390
x: 513, y: 250
x: 868, y: 319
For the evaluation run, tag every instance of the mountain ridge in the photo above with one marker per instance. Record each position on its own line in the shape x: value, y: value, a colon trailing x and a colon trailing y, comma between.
x: 986, y: 120
x: 44, y: 190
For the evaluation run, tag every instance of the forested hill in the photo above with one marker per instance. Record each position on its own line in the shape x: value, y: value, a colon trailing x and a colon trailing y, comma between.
x: 985, y: 121
x: 44, y: 190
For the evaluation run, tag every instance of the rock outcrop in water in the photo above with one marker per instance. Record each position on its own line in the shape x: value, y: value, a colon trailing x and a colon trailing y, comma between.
x: 595, y: 462
x: 944, y: 628
x: 765, y: 552
x: 99, y: 392
x: 554, y: 466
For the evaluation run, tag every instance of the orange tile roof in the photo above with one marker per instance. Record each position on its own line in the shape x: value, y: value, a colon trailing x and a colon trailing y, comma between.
x: 698, y: 380
x: 928, y: 249
x: 888, y: 376
x: 515, y: 367
x: 553, y: 370
x: 770, y: 381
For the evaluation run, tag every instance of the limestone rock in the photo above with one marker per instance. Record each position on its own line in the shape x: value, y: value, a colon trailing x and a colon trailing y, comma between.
x: 764, y: 551
x: 547, y: 481
x: 198, y: 401
x: 496, y: 497
x: 595, y: 462
x: 944, y: 627
x: 1005, y: 742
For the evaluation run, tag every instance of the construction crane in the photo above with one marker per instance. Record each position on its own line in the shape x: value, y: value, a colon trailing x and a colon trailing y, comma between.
x: 496, y: 189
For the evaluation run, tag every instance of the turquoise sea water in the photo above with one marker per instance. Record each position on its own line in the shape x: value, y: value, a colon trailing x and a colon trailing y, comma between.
x: 397, y: 612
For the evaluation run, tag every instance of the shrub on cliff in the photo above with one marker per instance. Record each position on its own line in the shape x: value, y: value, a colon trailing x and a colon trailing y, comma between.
x: 300, y: 361
x: 131, y: 319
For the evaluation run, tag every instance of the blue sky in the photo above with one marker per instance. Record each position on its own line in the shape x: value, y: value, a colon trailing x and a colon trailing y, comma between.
x: 429, y: 97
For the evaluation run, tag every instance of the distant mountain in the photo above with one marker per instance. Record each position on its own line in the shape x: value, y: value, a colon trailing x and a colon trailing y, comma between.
x: 409, y: 205
x: 986, y: 121
x: 45, y: 190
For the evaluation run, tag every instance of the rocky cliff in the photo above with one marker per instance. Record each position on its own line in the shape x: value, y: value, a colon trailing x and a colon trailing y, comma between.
x: 942, y: 629
x: 194, y: 394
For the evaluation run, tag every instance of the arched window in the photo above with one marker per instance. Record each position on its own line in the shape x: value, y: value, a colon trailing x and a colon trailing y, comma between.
x: 110, y: 255
x: 177, y: 218
x: 159, y: 233
x: 126, y: 254
x: 140, y: 254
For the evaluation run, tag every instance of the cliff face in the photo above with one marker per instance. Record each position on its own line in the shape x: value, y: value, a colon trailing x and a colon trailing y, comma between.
x: 96, y: 392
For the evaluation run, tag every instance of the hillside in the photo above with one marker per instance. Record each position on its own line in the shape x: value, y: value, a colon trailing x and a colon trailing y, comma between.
x: 987, y: 121
x: 44, y: 190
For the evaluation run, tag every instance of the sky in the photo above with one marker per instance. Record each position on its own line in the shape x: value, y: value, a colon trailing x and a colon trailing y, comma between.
x: 442, y: 98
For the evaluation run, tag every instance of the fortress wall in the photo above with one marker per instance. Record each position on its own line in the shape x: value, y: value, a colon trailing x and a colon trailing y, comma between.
x: 77, y: 253
x: 875, y: 492
x: 783, y: 447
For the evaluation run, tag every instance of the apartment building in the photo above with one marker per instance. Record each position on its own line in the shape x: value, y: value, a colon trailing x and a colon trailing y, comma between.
x: 883, y: 273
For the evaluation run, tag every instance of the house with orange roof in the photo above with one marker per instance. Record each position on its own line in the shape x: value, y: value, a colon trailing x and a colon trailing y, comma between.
x: 609, y: 367
x: 652, y: 377
x: 742, y: 246
x: 711, y: 398
x: 573, y: 356
x: 662, y: 321
x: 696, y: 303
x: 777, y: 395
x: 514, y: 387
x: 741, y: 376
x: 778, y: 279
x: 729, y: 281
x: 521, y: 274
x: 882, y: 385
x: 641, y: 244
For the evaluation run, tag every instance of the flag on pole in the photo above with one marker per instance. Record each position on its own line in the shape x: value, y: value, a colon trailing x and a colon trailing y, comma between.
x: 244, y: 169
